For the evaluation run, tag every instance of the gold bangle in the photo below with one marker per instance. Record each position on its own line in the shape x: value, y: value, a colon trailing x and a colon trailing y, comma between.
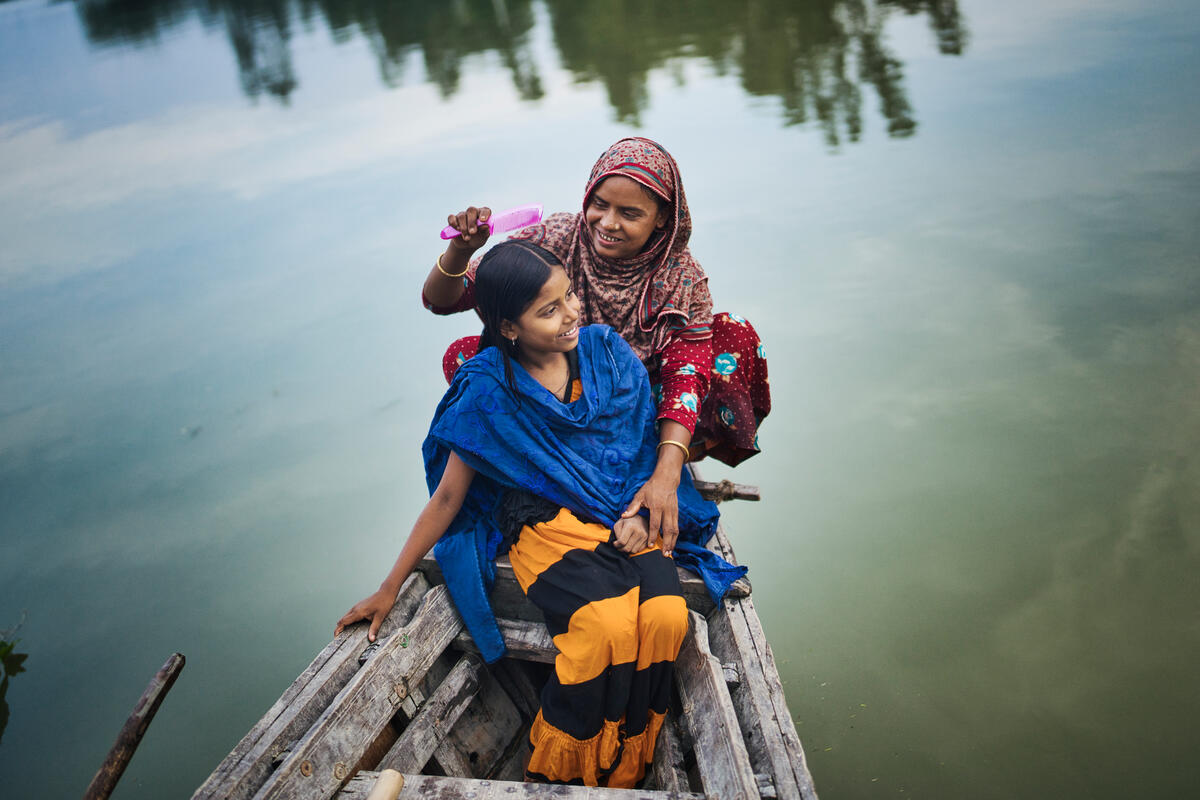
x: 451, y: 274
x: 686, y: 452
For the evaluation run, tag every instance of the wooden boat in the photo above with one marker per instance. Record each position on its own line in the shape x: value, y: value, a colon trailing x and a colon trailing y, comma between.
x: 421, y: 702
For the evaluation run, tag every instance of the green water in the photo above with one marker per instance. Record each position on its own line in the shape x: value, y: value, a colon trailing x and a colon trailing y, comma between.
x: 967, y: 233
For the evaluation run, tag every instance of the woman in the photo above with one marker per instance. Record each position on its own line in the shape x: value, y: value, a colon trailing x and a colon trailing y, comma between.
x: 628, y: 259
x: 542, y: 439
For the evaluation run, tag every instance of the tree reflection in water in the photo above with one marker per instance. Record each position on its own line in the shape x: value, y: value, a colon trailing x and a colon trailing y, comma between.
x: 815, y: 56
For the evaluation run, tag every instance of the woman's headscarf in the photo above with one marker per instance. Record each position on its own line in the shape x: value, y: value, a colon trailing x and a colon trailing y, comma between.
x: 659, y: 292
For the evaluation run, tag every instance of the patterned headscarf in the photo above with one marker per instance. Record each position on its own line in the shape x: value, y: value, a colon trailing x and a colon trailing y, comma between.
x: 653, y: 295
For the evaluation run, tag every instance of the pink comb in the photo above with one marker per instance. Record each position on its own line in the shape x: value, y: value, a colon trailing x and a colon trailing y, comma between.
x: 509, y: 220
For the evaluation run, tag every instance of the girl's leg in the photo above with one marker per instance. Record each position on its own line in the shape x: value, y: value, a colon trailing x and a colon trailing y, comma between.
x: 662, y: 623
x: 589, y: 594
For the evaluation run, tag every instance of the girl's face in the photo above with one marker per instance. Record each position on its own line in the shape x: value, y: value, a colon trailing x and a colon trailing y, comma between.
x: 551, y: 322
x: 621, y: 216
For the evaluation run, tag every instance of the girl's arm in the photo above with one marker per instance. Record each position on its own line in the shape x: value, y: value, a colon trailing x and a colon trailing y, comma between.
x: 444, y: 287
x: 432, y: 522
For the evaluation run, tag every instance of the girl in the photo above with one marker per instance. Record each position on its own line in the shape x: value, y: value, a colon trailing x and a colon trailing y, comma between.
x: 628, y: 258
x: 541, y: 441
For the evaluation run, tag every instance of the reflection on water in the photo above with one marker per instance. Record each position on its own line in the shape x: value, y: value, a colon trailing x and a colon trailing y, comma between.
x: 816, y: 57
x: 12, y: 663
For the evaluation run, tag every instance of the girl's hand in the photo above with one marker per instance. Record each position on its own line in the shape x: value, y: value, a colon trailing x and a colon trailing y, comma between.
x: 470, y: 224
x: 631, y: 534
x: 658, y: 495
x: 373, y: 608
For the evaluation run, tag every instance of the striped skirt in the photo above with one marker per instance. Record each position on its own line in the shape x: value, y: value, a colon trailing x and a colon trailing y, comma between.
x: 618, y: 621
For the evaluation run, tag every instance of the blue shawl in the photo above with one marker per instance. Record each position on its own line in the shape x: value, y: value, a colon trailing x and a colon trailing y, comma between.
x: 590, y: 456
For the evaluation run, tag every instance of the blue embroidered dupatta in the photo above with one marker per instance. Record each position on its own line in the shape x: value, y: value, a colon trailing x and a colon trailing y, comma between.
x: 590, y: 456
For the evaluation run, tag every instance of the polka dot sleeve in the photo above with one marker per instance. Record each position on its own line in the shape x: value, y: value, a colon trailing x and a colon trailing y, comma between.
x: 684, y: 369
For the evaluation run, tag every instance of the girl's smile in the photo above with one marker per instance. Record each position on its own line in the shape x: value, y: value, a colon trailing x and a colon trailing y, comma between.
x: 551, y: 322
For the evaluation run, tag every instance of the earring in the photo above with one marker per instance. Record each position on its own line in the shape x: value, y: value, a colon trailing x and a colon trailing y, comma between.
x: 514, y: 341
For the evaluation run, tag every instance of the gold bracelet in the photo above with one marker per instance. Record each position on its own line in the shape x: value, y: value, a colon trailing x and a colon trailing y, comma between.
x: 451, y: 274
x: 686, y: 452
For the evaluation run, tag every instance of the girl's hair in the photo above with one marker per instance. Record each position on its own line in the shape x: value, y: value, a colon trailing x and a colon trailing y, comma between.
x: 507, y: 281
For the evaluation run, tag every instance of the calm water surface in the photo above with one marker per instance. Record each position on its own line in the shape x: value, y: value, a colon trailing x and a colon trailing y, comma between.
x: 967, y: 233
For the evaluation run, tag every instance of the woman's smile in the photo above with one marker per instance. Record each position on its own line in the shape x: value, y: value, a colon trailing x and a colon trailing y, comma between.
x: 622, y: 215
x: 603, y: 238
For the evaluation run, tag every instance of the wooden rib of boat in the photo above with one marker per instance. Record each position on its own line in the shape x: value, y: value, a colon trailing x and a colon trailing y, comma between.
x: 421, y: 702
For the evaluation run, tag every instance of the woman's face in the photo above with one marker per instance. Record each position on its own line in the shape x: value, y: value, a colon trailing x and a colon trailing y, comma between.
x: 551, y: 322
x: 621, y: 216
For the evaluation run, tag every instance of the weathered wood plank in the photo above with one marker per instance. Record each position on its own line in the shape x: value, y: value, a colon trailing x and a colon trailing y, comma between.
x: 669, y: 774
x: 723, y: 762
x: 516, y: 681
x: 245, y: 769
x: 321, y: 762
x: 737, y: 637
x: 452, y: 762
x: 506, y: 598
x: 512, y: 768
x: 476, y: 745
x: 432, y: 786
x: 435, y: 718
x: 525, y: 640
x: 770, y: 733
x: 510, y: 602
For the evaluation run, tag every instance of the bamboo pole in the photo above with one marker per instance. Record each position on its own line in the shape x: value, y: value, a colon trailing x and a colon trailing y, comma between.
x: 135, y: 727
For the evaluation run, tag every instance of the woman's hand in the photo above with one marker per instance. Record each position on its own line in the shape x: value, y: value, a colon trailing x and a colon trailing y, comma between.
x: 470, y: 224
x: 444, y: 285
x: 373, y: 608
x: 631, y: 534
x: 658, y: 495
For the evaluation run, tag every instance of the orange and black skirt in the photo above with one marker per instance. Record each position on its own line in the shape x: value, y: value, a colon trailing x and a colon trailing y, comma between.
x: 618, y: 621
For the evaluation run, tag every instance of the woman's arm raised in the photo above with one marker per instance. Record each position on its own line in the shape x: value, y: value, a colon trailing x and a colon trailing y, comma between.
x: 444, y: 284
x: 432, y: 522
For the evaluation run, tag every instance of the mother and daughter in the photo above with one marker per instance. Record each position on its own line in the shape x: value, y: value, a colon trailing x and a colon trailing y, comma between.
x: 552, y: 444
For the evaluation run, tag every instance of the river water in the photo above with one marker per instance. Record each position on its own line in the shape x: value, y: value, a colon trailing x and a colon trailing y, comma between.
x: 967, y: 232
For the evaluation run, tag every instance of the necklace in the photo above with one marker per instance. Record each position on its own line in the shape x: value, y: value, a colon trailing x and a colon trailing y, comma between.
x: 562, y: 387
x: 542, y: 377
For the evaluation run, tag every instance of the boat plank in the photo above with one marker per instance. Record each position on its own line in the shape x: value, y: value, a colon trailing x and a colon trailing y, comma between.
x: 669, y: 774
x: 525, y: 640
x: 736, y: 636
x: 477, y: 744
x: 525, y: 693
x: 510, y: 602
x: 435, y: 718
x: 433, y: 786
x: 321, y: 761
x: 250, y: 763
x: 722, y: 759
